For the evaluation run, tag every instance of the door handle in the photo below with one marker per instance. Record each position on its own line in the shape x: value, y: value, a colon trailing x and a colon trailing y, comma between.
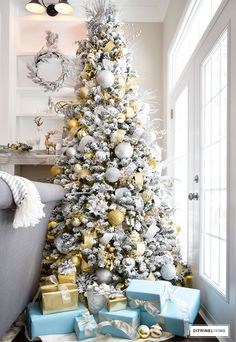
x: 193, y: 196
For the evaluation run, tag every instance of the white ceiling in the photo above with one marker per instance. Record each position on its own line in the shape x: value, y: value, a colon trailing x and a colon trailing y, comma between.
x: 130, y: 10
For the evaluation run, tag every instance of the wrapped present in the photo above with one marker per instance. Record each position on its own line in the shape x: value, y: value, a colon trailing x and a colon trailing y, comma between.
x: 147, y: 295
x: 178, y: 313
x: 67, y: 272
x: 123, y: 323
x: 116, y: 302
x: 66, y: 278
x: 57, y: 323
x: 59, y: 297
x: 85, y: 326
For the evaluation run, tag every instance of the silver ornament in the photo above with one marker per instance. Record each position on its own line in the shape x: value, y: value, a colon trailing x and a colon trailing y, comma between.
x: 100, y: 156
x: 128, y: 263
x: 112, y: 174
x: 121, y: 192
x: 151, y: 232
x: 105, y: 79
x: 70, y: 152
x: 124, y: 150
x: 84, y: 142
x: 64, y: 243
x: 103, y: 276
x: 96, y: 301
x: 168, y: 271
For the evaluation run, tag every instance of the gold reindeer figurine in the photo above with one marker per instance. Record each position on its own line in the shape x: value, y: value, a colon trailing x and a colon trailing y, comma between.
x: 50, y: 145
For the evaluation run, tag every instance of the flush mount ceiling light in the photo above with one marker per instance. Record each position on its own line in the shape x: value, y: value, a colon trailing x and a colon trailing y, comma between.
x: 39, y: 7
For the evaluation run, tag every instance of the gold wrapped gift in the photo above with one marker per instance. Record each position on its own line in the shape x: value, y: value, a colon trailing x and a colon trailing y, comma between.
x: 116, y: 302
x: 59, y: 297
x: 66, y: 278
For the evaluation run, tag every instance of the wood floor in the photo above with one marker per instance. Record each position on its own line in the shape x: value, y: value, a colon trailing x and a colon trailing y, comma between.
x: 21, y: 338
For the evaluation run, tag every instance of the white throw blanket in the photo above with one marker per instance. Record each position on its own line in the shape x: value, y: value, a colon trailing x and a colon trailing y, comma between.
x: 29, y: 208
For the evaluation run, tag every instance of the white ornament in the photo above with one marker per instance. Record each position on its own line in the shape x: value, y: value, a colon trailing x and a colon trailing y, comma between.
x: 105, y: 79
x: 128, y: 263
x: 121, y: 192
x: 75, y: 222
x: 103, y: 276
x: 143, y: 331
x: 106, y: 238
x: 168, y: 271
x: 124, y: 150
x: 151, y: 232
x: 156, y: 330
x: 112, y: 174
x: 84, y: 142
x: 70, y: 152
x: 149, y: 137
x: 100, y: 156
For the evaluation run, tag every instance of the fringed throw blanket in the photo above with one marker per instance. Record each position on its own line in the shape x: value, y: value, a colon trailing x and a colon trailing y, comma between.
x: 29, y: 208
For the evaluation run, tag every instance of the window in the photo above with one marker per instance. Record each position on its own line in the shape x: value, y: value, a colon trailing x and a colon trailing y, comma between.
x: 214, y: 165
x: 198, y: 17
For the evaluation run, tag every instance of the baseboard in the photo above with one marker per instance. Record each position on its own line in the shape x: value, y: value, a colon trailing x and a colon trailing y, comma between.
x: 210, y: 320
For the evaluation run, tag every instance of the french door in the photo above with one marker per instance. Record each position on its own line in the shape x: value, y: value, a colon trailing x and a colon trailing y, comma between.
x: 202, y: 135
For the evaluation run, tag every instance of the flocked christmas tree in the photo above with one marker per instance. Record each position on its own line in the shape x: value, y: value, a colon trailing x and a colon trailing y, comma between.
x: 115, y: 222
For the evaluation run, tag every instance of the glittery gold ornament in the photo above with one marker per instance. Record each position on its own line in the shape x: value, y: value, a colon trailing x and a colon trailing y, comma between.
x: 135, y: 236
x: 106, y: 95
x: 121, y: 118
x: 152, y: 162
x: 77, y: 168
x: 109, y: 46
x: 89, y: 155
x: 56, y: 170
x: 84, y: 173
x: 143, y: 331
x: 72, y: 123
x: 147, y: 195
x: 156, y: 330
x: 52, y: 224
x: 129, y: 112
x: 115, y: 217
x: 83, y: 92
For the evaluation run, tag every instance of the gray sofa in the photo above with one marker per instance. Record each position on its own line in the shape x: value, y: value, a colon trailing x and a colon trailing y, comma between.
x: 21, y: 253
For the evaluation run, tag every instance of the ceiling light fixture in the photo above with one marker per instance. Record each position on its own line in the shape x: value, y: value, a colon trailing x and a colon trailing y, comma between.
x: 39, y: 7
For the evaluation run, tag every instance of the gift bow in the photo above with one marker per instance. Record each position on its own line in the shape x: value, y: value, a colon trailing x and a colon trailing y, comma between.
x: 87, y: 324
x: 65, y: 294
x: 171, y: 290
x: 121, y: 325
x: 151, y: 307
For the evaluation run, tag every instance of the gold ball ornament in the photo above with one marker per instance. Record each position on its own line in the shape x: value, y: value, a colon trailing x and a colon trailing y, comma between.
x: 147, y: 195
x: 56, y: 170
x: 83, y: 92
x: 143, y: 331
x: 72, y: 123
x: 152, y: 162
x: 156, y: 331
x: 52, y: 224
x: 84, y: 173
x: 78, y: 168
x: 89, y: 155
x: 115, y: 217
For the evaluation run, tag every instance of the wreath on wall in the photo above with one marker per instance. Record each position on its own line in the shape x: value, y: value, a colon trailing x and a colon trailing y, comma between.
x: 45, y: 55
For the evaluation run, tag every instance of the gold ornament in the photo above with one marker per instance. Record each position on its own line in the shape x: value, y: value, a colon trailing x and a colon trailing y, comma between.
x: 76, y: 259
x: 118, y: 136
x: 138, y: 177
x: 84, y: 173
x: 77, y: 168
x: 135, y: 236
x: 81, y: 133
x: 147, y: 195
x: 115, y: 217
x: 152, y: 162
x: 89, y: 155
x: 143, y: 331
x: 121, y: 118
x: 56, y: 170
x: 156, y: 330
x: 72, y: 123
x: 106, y: 95
x: 129, y: 112
x: 109, y: 46
x: 52, y: 224
x: 188, y: 281
x: 83, y: 92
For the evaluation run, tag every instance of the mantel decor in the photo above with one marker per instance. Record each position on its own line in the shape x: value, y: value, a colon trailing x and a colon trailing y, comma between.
x: 50, y: 67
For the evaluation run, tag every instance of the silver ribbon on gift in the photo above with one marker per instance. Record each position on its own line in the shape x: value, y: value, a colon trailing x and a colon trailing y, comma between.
x: 171, y: 290
x: 121, y: 325
x: 152, y: 307
x: 89, y: 325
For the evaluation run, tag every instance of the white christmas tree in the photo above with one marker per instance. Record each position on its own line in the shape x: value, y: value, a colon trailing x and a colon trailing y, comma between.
x: 115, y: 222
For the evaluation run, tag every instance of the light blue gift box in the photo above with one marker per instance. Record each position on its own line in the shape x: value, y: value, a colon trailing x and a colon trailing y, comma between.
x: 85, y: 326
x: 110, y: 323
x: 178, y: 313
x: 153, y: 292
x: 56, y: 323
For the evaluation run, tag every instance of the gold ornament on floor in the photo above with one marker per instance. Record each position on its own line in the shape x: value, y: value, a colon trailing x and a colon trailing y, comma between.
x: 143, y: 331
x: 115, y: 217
x: 56, y: 170
x: 156, y: 331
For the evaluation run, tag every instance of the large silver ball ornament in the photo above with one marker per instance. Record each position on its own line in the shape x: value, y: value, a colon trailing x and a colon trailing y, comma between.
x: 121, y: 192
x: 124, y: 150
x: 100, y: 156
x: 103, y: 276
x: 112, y: 174
x: 84, y: 142
x: 70, y: 152
x: 168, y: 271
x: 105, y: 79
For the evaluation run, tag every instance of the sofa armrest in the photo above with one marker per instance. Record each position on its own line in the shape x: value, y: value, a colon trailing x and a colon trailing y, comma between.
x: 48, y: 193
